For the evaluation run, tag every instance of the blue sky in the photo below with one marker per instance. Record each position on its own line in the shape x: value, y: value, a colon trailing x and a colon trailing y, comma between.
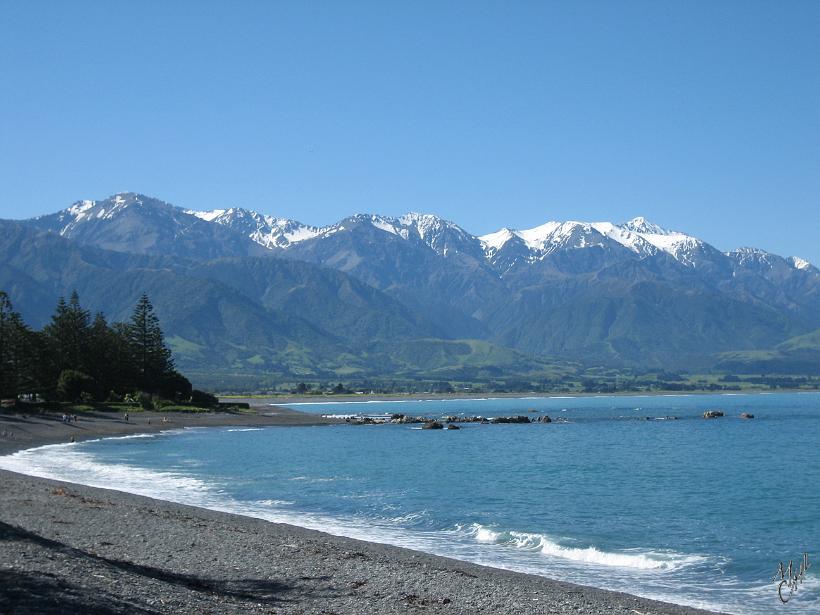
x: 699, y: 115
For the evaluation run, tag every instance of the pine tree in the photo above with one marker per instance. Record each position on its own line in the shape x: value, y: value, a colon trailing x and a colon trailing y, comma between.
x: 152, y: 359
x: 17, y: 352
x: 106, y: 365
x: 72, y: 357
x: 68, y: 335
x: 7, y: 384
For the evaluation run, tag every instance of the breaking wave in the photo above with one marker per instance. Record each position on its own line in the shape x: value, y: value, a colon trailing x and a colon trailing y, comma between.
x: 632, y: 558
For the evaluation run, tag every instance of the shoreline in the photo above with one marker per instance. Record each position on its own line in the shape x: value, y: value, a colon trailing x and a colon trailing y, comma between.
x: 273, y: 400
x: 31, y: 430
x: 241, y: 564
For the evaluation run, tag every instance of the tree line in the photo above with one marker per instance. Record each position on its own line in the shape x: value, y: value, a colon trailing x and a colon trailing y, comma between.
x: 79, y: 358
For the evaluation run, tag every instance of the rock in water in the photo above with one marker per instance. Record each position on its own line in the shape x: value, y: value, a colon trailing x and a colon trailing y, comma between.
x: 511, y: 419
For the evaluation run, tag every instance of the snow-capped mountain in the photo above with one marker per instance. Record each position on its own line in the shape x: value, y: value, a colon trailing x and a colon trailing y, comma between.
x: 631, y: 291
x: 271, y: 232
x: 638, y: 236
x: 443, y: 237
x: 149, y: 223
x: 267, y: 231
x: 130, y: 222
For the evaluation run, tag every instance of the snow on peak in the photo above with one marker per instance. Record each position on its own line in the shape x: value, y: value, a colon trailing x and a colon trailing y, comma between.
x: 638, y: 235
x: 680, y: 246
x: 643, y: 226
x: 267, y: 231
x: 751, y: 256
x: 799, y: 263
x: 426, y: 224
x: 495, y: 241
x: 439, y: 235
x: 80, y: 209
x: 208, y: 216
x: 387, y: 225
x: 101, y: 210
x: 535, y: 238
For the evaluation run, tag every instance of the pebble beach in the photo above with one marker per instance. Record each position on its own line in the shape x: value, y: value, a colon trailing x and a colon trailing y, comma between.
x: 68, y: 548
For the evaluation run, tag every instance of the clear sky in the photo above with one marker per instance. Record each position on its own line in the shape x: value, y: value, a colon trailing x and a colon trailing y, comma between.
x: 700, y: 115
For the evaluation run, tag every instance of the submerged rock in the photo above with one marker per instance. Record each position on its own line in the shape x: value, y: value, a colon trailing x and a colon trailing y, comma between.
x: 712, y: 414
x: 746, y: 415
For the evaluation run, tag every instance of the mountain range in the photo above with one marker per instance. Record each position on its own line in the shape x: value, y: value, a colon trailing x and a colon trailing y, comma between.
x: 239, y: 292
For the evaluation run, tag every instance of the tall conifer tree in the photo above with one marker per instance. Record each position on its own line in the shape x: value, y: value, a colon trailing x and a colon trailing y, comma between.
x: 18, y: 346
x: 6, y: 346
x: 152, y: 358
x: 67, y: 334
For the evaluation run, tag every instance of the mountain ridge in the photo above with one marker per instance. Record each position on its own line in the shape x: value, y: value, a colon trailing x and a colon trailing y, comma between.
x: 633, y: 293
x: 271, y: 232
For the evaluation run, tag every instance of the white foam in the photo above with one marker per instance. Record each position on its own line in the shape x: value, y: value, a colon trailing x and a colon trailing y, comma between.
x: 320, y: 479
x: 530, y: 553
x: 632, y: 558
x: 483, y: 534
x: 66, y: 462
x: 275, y: 502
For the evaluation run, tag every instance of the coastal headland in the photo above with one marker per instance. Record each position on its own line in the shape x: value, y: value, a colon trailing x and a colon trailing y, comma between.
x: 70, y: 548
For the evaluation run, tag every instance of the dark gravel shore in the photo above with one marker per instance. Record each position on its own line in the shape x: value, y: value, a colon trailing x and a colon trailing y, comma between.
x: 21, y: 430
x: 67, y: 548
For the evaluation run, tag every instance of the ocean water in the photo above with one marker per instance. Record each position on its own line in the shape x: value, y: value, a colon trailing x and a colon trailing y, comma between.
x: 691, y: 511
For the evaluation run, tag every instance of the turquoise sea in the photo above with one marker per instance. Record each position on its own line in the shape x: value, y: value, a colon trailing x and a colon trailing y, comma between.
x: 614, y: 495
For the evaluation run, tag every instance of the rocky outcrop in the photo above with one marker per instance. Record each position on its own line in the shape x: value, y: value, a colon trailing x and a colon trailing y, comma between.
x: 510, y: 419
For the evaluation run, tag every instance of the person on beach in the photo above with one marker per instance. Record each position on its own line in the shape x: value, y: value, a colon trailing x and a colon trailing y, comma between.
x: 126, y: 417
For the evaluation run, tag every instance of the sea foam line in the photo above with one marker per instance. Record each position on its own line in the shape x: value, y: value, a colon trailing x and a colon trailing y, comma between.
x: 68, y: 463
x: 646, y: 560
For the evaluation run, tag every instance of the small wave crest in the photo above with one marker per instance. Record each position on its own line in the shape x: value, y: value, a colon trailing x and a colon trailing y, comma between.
x: 274, y: 502
x: 633, y: 558
x: 321, y: 479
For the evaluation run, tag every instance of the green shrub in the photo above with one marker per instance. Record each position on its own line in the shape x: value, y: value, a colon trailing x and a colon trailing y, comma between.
x: 145, y: 401
x: 72, y: 384
x: 201, y: 398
